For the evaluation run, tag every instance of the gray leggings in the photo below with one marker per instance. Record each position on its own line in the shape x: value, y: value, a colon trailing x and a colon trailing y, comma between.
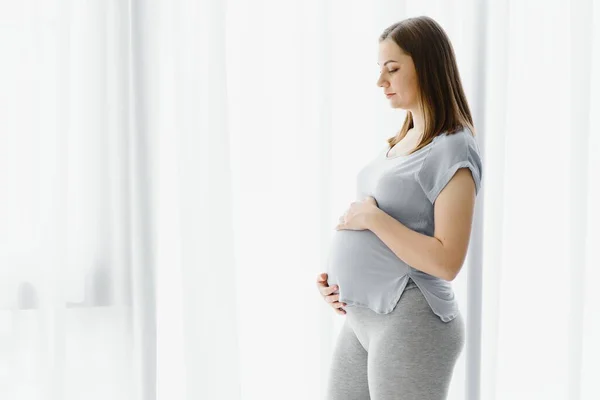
x: 408, y: 354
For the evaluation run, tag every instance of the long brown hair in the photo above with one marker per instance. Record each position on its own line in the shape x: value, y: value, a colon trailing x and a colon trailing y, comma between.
x: 441, y: 95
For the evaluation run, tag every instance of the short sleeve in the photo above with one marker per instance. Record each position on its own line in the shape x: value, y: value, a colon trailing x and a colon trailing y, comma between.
x: 448, y: 154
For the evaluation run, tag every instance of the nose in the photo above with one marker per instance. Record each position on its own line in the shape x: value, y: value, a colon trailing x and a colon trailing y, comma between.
x: 382, y: 82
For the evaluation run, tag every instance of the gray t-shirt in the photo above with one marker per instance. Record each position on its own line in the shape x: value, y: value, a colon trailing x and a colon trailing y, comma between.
x: 368, y: 273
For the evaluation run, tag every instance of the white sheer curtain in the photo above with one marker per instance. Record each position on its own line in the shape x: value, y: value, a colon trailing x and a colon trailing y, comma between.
x: 171, y: 172
x: 541, y: 314
x: 77, y: 305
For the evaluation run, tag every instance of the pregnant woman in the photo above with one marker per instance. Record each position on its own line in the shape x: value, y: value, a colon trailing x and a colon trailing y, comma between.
x: 398, y: 247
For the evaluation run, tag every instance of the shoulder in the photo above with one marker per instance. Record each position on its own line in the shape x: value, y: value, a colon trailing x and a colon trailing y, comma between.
x: 449, y: 153
x: 461, y: 141
x: 451, y: 148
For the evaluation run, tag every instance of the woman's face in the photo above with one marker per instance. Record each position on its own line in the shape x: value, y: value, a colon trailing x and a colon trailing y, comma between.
x: 397, y: 76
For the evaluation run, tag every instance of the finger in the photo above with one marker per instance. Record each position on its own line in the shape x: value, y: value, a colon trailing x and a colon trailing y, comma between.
x: 322, y: 284
x: 338, y: 304
x: 332, y: 298
x: 330, y: 290
x: 338, y: 311
x: 327, y: 290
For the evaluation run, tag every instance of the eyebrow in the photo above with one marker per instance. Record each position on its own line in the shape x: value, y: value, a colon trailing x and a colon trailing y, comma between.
x: 387, y: 62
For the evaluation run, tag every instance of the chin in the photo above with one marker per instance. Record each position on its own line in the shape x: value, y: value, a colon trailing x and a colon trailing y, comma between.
x: 397, y: 105
x: 402, y: 107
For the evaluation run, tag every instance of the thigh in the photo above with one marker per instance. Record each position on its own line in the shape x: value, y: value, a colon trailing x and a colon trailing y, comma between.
x: 348, y: 371
x: 413, y: 357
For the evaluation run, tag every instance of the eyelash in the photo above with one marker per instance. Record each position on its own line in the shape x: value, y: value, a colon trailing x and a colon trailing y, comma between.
x: 393, y: 70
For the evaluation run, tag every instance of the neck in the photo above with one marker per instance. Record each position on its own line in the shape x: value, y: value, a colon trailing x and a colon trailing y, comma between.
x: 418, y: 123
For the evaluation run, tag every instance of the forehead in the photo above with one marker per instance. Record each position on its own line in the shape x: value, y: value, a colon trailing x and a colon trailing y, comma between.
x: 389, y: 50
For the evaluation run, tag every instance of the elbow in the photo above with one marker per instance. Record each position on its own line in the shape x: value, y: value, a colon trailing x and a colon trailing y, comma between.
x: 450, y: 276
x: 451, y: 270
x: 449, y: 263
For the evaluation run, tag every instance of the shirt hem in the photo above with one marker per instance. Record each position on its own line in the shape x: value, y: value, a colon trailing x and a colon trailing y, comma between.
x: 394, y: 303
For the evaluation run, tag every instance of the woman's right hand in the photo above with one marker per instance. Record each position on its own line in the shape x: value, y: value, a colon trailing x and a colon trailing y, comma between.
x: 328, y: 294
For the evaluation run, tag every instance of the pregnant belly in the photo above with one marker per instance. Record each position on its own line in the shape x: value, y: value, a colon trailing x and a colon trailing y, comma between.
x: 360, y: 259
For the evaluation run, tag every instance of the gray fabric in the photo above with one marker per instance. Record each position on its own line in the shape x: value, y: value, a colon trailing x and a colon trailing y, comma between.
x: 408, y: 354
x: 367, y: 272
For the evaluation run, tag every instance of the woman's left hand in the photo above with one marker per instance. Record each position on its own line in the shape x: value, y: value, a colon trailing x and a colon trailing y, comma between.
x: 358, y: 215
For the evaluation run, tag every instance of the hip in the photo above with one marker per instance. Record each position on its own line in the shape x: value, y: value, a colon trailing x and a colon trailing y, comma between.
x: 412, y: 320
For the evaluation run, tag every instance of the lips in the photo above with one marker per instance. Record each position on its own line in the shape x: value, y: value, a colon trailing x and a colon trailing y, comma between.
x: 389, y: 94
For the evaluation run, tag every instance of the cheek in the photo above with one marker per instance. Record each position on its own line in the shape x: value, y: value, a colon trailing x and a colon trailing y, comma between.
x: 406, y: 91
x: 399, y: 86
x: 406, y: 87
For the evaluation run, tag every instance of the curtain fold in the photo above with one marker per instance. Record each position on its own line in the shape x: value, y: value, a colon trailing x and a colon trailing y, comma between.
x: 197, y: 292
x: 77, y: 307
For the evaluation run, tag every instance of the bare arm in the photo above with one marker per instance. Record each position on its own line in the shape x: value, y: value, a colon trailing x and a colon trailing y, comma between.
x: 443, y: 254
